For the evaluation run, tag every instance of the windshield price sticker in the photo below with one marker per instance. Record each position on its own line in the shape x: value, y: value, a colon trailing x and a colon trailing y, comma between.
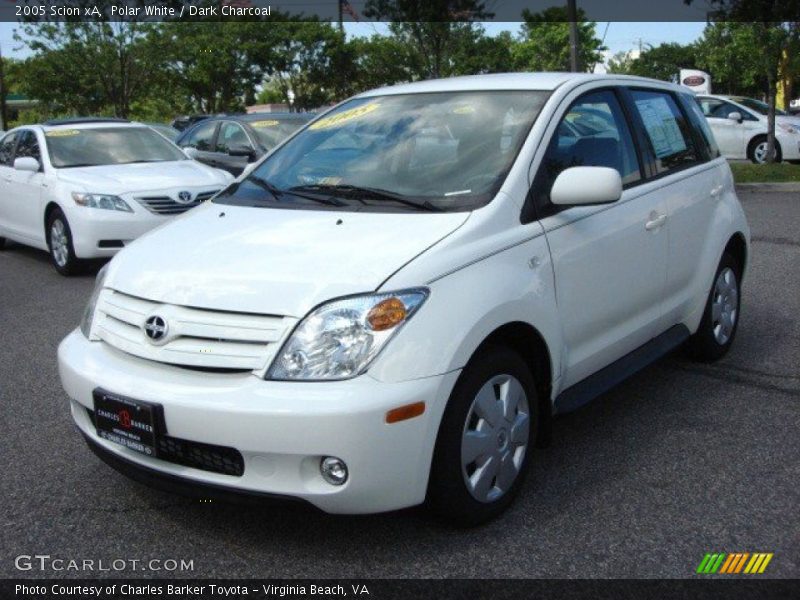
x: 62, y: 132
x: 259, y: 124
x: 345, y: 116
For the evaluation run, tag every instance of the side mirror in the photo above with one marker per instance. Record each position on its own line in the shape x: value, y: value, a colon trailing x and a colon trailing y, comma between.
x: 26, y: 163
x: 735, y: 116
x: 578, y: 186
x: 242, y: 150
x: 190, y: 152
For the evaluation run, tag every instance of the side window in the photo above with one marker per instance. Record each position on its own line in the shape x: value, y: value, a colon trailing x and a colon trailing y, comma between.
x: 201, y: 137
x: 701, y: 126
x: 231, y: 134
x: 28, y: 146
x: 593, y: 133
x: 667, y: 129
x: 7, y: 150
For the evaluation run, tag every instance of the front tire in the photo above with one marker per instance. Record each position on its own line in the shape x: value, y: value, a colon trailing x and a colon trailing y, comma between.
x: 717, y: 330
x: 59, y: 242
x: 757, y: 150
x: 485, y: 439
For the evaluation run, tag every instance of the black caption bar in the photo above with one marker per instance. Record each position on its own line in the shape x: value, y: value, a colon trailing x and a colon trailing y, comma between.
x: 384, y: 589
x: 397, y: 10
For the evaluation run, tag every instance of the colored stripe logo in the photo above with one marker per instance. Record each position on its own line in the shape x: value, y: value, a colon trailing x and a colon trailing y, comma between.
x: 734, y: 563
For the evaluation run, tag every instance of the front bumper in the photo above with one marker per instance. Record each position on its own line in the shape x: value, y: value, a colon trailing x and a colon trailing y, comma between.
x: 91, y: 227
x: 282, y: 429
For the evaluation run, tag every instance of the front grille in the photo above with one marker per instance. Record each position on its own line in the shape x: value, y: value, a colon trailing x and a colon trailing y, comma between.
x: 199, y: 338
x: 206, y: 457
x: 166, y: 205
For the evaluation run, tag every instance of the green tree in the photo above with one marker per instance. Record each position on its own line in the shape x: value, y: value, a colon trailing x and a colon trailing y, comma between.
x: 544, y: 42
x: 662, y: 62
x: 435, y: 31
x: 214, y: 66
x: 88, y: 67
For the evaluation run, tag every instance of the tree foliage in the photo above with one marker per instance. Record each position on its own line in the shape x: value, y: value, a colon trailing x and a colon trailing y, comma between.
x: 662, y: 62
x: 544, y: 43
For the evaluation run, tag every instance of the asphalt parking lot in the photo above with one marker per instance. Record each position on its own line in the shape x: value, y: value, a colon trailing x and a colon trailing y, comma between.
x: 681, y: 460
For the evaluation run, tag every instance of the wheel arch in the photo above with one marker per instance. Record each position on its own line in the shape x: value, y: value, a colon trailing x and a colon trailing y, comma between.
x: 530, y: 344
x: 48, y: 210
x: 737, y: 247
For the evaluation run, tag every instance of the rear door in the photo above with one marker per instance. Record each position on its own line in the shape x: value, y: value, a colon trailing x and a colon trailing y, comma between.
x: 609, y: 260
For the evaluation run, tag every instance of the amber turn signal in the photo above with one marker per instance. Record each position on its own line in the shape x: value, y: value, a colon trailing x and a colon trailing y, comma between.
x: 409, y: 411
x: 386, y: 314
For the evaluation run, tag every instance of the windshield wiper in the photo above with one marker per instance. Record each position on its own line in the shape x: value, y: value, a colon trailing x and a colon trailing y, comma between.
x: 359, y: 192
x: 277, y: 192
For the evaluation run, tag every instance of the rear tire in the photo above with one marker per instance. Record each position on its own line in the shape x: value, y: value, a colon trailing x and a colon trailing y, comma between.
x: 485, y: 439
x: 59, y: 242
x: 2, y: 243
x: 717, y: 330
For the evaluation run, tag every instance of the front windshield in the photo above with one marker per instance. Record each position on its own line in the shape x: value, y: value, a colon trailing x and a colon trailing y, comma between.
x: 271, y: 131
x: 91, y: 147
x: 757, y: 105
x: 437, y: 151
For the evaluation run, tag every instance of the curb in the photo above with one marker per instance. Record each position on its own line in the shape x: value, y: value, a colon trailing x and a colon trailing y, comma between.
x: 790, y: 186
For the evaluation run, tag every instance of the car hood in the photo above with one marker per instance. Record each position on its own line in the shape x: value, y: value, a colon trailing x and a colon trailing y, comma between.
x: 143, y: 177
x: 272, y: 261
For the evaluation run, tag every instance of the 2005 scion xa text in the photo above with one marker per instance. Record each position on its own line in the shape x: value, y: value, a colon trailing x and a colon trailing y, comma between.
x: 391, y: 306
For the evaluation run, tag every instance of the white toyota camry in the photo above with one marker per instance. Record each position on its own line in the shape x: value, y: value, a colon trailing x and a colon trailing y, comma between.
x: 84, y: 188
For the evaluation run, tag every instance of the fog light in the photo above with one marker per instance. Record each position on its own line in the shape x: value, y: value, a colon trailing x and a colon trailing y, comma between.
x: 333, y: 470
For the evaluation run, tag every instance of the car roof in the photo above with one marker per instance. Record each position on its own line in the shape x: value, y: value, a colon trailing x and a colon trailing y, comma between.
x: 277, y: 116
x: 95, y: 124
x: 508, y: 81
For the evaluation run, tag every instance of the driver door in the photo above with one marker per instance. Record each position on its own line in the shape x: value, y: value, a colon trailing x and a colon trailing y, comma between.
x: 609, y: 261
x: 24, y: 190
x: 232, y: 135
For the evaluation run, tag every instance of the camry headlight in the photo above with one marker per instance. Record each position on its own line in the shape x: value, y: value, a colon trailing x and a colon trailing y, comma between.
x: 339, y: 339
x: 787, y: 128
x: 88, y: 312
x: 101, y: 201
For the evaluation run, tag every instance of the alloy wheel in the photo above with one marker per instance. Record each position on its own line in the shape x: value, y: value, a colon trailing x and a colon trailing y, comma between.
x: 59, y: 243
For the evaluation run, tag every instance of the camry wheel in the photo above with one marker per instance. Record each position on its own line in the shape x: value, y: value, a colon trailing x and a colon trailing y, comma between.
x: 485, y: 439
x: 59, y: 241
x: 758, y: 151
x: 720, y: 321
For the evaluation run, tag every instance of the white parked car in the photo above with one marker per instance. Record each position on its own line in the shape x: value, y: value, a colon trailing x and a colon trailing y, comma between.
x: 85, y: 188
x: 740, y: 128
x: 392, y: 305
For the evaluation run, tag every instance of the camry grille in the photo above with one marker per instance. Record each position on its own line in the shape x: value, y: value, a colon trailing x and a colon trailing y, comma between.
x: 167, y: 205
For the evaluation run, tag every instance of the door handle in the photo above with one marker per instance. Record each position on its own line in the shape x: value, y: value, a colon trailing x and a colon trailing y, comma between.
x: 716, y: 191
x: 655, y: 221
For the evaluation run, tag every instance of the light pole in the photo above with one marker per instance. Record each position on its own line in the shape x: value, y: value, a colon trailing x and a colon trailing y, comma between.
x: 572, y: 16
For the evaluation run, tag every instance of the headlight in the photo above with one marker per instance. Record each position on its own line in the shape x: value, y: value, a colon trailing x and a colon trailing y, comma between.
x: 88, y: 312
x: 101, y: 201
x: 787, y: 128
x: 339, y: 339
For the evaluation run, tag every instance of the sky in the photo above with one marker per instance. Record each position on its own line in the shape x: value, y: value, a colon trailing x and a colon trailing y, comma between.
x: 619, y: 36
